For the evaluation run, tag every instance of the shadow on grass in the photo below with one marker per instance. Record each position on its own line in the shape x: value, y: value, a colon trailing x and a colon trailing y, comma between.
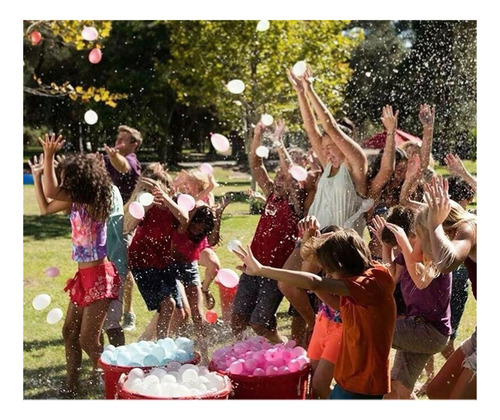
x: 36, y: 345
x: 46, y: 227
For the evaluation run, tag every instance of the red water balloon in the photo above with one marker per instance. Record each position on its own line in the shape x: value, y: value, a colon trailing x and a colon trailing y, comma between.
x: 35, y: 37
x: 211, y: 317
x: 95, y: 56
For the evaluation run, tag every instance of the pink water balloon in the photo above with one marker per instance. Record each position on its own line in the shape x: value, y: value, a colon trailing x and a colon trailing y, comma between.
x: 186, y: 202
x: 89, y: 33
x: 228, y: 278
x: 206, y: 168
x: 52, y: 272
x: 95, y: 56
x: 220, y: 142
x: 35, y: 37
x: 298, y: 173
x: 136, y: 210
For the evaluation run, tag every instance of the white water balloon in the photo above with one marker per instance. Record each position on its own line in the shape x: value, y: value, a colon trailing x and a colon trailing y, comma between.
x: 266, y: 119
x: 41, y: 302
x: 262, y: 151
x: 90, y: 117
x: 186, y: 202
x: 263, y: 25
x: 145, y: 198
x: 236, y: 86
x: 89, y: 33
x: 54, y: 315
x: 299, y: 68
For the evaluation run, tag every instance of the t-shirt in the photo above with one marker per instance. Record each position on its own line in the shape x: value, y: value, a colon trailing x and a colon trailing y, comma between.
x: 368, y: 319
x: 184, y: 248
x: 88, y: 236
x: 116, y: 246
x: 150, y: 246
x: 125, y: 181
x: 431, y: 303
x: 276, y: 232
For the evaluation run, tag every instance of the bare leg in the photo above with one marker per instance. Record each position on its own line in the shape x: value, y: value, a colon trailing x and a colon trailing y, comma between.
x: 272, y: 335
x: 322, y: 379
x: 195, y: 300
x: 211, y: 262
x: 149, y: 333
x: 167, y: 307
x: 71, y: 336
x: 449, y: 349
x: 128, y: 311
x: 398, y: 392
x: 239, y: 324
x: 298, y: 330
x: 429, y: 370
x: 92, y: 322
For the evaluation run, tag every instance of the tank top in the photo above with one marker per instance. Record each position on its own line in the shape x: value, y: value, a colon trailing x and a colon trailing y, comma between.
x: 88, y: 236
x: 336, y: 200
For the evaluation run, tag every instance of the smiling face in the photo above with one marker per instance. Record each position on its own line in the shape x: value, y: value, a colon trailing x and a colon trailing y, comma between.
x: 125, y: 143
x: 332, y: 152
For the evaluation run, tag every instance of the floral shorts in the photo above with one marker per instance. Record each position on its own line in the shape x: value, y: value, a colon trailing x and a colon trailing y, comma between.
x: 94, y: 283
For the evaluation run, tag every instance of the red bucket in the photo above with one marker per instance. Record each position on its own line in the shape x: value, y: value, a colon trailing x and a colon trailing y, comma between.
x: 227, y: 295
x: 289, y: 386
x: 123, y: 394
x: 112, y: 374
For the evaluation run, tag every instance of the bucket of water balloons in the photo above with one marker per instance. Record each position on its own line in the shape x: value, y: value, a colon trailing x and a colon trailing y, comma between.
x: 112, y: 374
x: 288, y: 386
x: 227, y: 280
x: 123, y: 394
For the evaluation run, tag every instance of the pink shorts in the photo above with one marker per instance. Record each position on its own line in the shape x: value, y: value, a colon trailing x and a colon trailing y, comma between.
x: 325, y: 340
x: 94, y: 283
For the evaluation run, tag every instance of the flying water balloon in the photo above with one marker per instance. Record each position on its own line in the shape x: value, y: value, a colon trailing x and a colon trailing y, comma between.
x: 136, y: 210
x: 145, y: 198
x: 186, y: 202
x: 54, y: 315
x: 220, y: 142
x: 299, y: 68
x: 89, y: 33
x: 211, y: 317
x: 95, y: 56
x: 266, y: 119
x: 90, y: 117
x: 298, y: 173
x: 236, y: 86
x: 233, y: 245
x: 263, y: 25
x: 206, y: 168
x: 262, y: 151
x: 35, y: 37
x: 41, y: 302
x: 228, y: 278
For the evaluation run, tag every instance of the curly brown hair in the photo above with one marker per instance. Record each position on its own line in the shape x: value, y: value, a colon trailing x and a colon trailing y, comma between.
x: 86, y: 181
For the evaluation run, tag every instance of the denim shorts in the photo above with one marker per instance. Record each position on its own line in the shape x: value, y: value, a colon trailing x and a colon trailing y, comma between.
x: 155, y: 285
x: 186, y: 273
x: 339, y: 393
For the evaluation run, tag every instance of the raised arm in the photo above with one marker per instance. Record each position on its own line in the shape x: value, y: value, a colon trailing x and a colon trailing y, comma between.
x: 50, y: 184
x: 388, y: 162
x: 118, y: 161
x: 214, y: 237
x: 354, y: 155
x: 284, y: 156
x: 456, y: 167
x: 257, y: 163
x: 161, y: 198
x: 310, y: 124
x: 447, y: 253
x: 426, y: 117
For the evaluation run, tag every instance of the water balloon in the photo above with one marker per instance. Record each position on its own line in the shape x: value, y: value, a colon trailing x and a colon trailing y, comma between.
x: 41, y: 302
x: 89, y: 33
x: 220, y: 142
x: 299, y: 68
x: 266, y: 119
x: 90, y: 117
x: 228, y: 278
x: 52, y: 272
x: 298, y: 173
x: 236, y: 86
x: 95, y: 56
x: 233, y: 245
x: 145, y: 198
x: 206, y: 168
x: 54, y: 315
x: 136, y: 210
x: 263, y: 25
x: 35, y: 37
x: 262, y: 151
x: 186, y: 202
x: 211, y: 317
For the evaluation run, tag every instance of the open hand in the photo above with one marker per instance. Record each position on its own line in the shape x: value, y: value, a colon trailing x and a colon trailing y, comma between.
x: 308, y: 227
x: 389, y: 119
x: 455, y: 165
x: 398, y: 232
x: 426, y: 115
x: 37, y: 165
x: 377, y: 226
x: 111, y: 151
x: 436, y: 197
x: 250, y: 265
x: 51, y: 144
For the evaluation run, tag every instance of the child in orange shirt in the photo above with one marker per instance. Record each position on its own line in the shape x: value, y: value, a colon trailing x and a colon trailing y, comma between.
x: 367, y: 307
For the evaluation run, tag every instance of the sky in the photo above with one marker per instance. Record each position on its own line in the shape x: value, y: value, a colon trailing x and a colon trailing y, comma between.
x: 255, y: 10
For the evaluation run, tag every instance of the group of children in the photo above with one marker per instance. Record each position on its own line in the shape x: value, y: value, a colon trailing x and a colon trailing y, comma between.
x: 308, y: 247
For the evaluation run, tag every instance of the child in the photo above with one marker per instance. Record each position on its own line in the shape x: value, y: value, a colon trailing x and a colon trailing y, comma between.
x: 366, y: 305
x: 85, y: 190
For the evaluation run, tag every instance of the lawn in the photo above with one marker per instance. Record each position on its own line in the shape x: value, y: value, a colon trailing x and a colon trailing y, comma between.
x: 47, y: 243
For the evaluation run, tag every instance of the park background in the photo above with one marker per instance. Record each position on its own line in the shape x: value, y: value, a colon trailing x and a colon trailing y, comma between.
x: 190, y: 150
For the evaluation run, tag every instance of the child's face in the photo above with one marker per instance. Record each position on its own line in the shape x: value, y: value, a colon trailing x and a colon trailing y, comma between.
x: 196, y: 228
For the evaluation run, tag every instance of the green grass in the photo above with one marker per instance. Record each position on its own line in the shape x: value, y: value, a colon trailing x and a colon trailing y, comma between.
x: 47, y: 243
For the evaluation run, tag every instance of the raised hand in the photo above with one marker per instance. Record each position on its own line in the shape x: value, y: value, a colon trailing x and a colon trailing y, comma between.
x: 308, y: 227
x: 255, y: 195
x: 160, y: 197
x: 426, y: 115
x: 279, y: 129
x: 296, y: 82
x: 51, y: 144
x: 99, y: 157
x: 455, y: 165
x: 377, y: 226
x: 399, y: 233
x: 220, y: 207
x: 436, y: 197
x: 110, y: 151
x: 37, y: 166
x: 389, y: 119
x: 250, y: 264
x: 413, y: 167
